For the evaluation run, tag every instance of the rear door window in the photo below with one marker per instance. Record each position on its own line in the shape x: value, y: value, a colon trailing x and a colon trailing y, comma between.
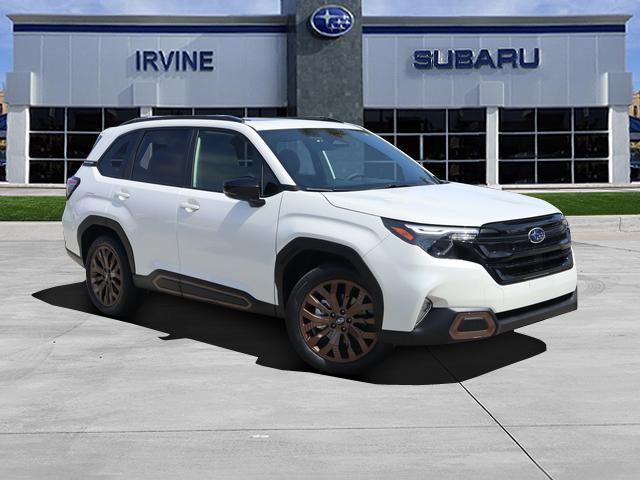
x: 161, y: 157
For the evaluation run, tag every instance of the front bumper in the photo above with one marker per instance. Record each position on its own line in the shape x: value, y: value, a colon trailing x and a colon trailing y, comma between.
x: 436, y: 328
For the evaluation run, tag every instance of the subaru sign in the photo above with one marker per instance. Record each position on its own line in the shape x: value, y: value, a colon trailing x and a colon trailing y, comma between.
x: 468, y: 59
x: 331, y: 21
x: 537, y: 235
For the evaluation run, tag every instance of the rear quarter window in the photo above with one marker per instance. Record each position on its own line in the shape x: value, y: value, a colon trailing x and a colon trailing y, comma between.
x: 116, y: 159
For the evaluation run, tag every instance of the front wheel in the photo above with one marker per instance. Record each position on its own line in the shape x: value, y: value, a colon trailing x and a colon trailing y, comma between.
x: 333, y: 321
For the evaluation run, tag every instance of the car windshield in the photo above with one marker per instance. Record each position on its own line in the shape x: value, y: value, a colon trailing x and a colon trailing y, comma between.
x: 336, y: 159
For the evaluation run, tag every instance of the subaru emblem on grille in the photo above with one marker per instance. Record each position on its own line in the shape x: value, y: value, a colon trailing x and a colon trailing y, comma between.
x: 536, y: 235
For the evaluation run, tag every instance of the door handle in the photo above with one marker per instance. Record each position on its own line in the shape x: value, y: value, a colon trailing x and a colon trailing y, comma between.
x: 122, y: 195
x: 190, y: 207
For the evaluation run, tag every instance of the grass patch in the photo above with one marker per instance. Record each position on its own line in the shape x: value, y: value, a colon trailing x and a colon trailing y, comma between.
x: 20, y: 208
x: 593, y: 203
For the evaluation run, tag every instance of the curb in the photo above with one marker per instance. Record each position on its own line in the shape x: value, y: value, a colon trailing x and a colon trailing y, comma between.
x: 605, y: 223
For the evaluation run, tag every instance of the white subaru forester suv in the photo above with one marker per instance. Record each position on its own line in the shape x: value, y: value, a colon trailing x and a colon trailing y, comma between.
x: 320, y: 222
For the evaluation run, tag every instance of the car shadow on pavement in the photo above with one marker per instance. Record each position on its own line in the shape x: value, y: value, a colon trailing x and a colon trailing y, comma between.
x: 266, y: 338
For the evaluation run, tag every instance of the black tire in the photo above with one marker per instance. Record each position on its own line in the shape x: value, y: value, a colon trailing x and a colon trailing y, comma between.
x: 126, y: 296
x: 345, y: 344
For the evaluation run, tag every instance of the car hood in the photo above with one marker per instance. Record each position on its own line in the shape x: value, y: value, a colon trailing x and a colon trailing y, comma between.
x: 442, y: 204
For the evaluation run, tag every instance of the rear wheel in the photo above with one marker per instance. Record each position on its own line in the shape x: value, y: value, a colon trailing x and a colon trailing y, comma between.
x: 333, y: 321
x: 109, y: 279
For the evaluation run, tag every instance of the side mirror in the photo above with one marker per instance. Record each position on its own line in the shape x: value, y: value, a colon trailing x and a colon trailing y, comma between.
x: 244, y: 188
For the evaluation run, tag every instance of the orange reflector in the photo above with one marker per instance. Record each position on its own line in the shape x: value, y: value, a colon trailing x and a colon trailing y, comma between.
x: 406, y: 234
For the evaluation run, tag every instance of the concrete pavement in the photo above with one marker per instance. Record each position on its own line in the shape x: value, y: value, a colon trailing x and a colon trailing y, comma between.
x: 191, y: 390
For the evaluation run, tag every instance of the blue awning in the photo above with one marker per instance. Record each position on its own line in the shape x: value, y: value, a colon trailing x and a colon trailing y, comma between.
x: 3, y: 121
x: 634, y: 125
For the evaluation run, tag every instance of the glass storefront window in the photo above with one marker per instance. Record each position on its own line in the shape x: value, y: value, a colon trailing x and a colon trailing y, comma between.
x: 84, y: 120
x: 80, y: 144
x: 554, y: 119
x: 46, y: 145
x: 517, y: 146
x: 517, y: 120
x: 554, y: 145
x: 409, y: 144
x: 421, y: 121
x: 235, y: 112
x: 554, y: 172
x: 435, y: 147
x: 46, y: 171
x: 449, y: 143
x: 560, y: 142
x: 60, y: 138
x: 379, y: 121
x: 517, y: 172
x: 46, y: 119
x: 589, y: 119
x: 468, y: 120
x: 117, y: 116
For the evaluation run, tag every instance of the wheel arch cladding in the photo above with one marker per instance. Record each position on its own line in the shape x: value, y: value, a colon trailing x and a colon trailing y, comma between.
x: 303, y: 254
x: 94, y: 226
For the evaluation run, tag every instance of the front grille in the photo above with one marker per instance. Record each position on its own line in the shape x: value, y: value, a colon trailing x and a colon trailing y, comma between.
x: 505, y: 250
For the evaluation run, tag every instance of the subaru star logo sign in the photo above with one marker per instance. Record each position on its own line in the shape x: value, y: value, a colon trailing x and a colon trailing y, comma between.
x: 331, y: 21
x: 537, y: 235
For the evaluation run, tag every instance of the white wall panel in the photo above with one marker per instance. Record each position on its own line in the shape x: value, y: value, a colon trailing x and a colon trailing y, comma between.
x: 100, y: 69
x: 570, y: 72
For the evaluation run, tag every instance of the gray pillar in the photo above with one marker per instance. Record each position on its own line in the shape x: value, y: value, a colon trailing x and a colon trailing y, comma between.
x: 324, y: 74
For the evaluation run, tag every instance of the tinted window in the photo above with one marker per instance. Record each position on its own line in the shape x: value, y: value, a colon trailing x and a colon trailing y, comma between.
x: 591, y: 145
x: 467, y: 120
x: 517, y: 120
x: 114, y: 162
x: 517, y: 146
x: 467, y: 147
x: 222, y: 155
x: 46, y: 171
x: 415, y: 121
x: 409, y: 145
x: 554, y: 146
x: 84, y: 119
x: 46, y: 119
x: 591, y: 119
x: 80, y: 144
x: 434, y: 147
x: 161, y: 156
x: 46, y: 145
x: 468, y: 172
x: 554, y: 119
x: 117, y: 116
x: 380, y: 121
x: 171, y: 111
x: 236, y: 112
x: 517, y: 172
x: 267, y: 112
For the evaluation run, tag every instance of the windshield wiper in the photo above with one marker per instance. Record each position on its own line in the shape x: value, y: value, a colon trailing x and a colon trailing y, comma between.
x: 395, y: 185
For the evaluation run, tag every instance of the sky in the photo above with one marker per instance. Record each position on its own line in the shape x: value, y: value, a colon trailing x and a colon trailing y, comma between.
x: 370, y: 7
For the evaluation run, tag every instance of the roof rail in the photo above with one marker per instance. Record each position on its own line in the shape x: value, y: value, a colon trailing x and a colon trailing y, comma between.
x: 323, y: 119
x: 228, y: 118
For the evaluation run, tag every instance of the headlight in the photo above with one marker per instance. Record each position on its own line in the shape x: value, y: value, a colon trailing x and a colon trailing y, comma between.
x: 436, y: 240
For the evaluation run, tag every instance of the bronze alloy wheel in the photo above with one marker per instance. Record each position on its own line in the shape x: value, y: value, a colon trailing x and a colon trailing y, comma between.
x: 338, y: 322
x: 105, y: 273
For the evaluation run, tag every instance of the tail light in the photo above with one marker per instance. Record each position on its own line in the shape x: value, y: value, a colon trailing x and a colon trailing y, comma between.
x: 72, y: 184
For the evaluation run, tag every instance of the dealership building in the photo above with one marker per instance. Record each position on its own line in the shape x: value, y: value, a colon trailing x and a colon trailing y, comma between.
x: 482, y: 100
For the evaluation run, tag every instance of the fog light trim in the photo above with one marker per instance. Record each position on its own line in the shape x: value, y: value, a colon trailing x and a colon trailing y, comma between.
x: 456, y: 334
